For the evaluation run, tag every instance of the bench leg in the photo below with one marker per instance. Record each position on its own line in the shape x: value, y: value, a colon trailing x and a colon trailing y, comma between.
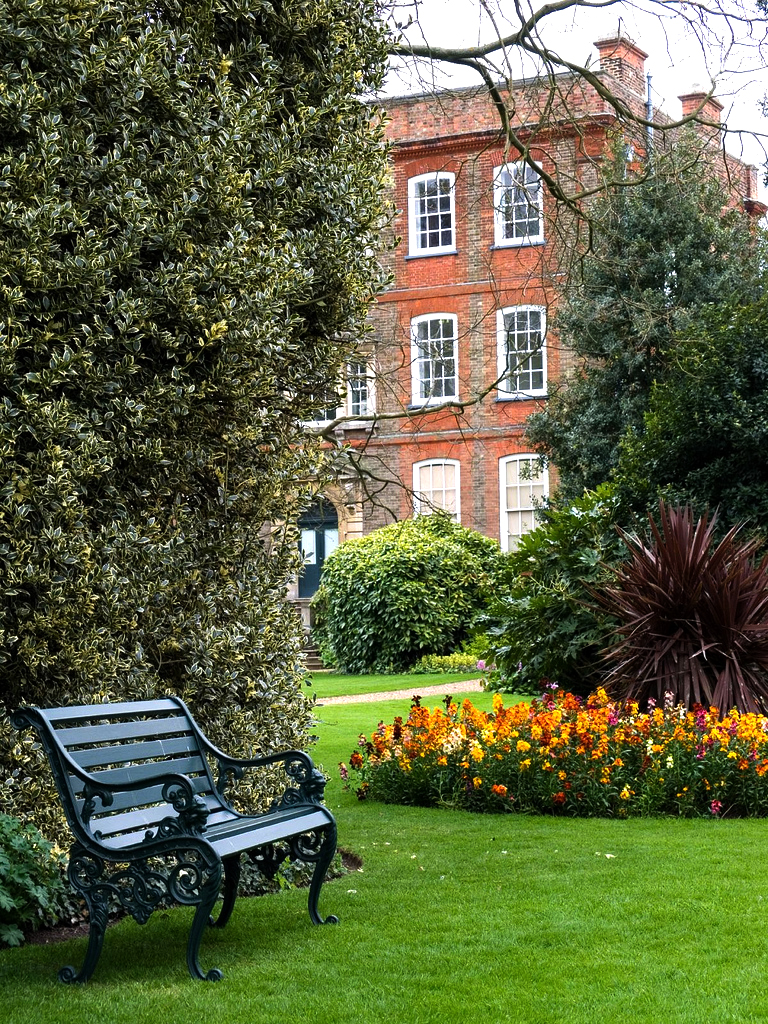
x: 322, y: 858
x: 97, y: 902
x: 202, y: 916
x: 86, y: 875
x: 231, y: 880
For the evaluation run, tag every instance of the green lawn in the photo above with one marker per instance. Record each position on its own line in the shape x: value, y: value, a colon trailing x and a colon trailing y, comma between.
x: 327, y: 684
x: 454, y: 919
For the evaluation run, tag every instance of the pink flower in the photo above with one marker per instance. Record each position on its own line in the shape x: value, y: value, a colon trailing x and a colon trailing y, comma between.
x: 715, y: 807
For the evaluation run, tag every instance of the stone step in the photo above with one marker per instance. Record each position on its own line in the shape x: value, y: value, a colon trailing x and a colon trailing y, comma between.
x: 311, y: 657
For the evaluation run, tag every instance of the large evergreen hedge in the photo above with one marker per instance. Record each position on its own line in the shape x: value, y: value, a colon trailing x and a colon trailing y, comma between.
x: 189, y: 200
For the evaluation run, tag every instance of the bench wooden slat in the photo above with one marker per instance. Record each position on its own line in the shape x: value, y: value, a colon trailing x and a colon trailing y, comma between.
x: 144, y: 729
x: 144, y: 750
x: 75, y: 712
x: 111, y: 820
x: 235, y: 837
x: 121, y: 831
x: 152, y: 770
x: 227, y: 834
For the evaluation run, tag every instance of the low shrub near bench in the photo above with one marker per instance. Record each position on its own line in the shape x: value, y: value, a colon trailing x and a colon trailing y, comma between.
x: 31, y: 887
x: 567, y: 755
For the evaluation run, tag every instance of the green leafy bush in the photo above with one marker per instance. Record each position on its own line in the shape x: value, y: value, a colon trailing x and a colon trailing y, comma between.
x: 408, y: 589
x: 547, y: 624
x: 456, y: 662
x: 30, y: 880
x: 189, y: 213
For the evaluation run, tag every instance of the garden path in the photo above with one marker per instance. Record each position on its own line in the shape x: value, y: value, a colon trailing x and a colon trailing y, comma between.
x: 471, y: 685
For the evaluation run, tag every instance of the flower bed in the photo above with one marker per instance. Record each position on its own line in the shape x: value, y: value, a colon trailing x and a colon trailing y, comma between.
x: 562, y: 755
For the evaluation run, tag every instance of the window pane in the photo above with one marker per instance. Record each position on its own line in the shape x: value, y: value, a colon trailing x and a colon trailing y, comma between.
x: 358, y: 389
x: 331, y: 538
x: 308, y: 546
x: 520, y: 495
x: 436, y: 486
x: 522, y: 353
x: 435, y: 359
x: 518, y: 203
x: 432, y: 212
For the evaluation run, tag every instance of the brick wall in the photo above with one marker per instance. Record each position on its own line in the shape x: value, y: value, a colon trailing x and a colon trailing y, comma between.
x: 568, y: 130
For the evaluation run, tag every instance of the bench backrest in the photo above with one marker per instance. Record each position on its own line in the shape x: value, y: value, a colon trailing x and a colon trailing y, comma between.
x: 137, y: 741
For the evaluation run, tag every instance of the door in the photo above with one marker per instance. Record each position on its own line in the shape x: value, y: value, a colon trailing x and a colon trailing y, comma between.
x: 318, y: 538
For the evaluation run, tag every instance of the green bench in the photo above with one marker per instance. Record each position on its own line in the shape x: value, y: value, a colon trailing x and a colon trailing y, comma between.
x: 144, y: 790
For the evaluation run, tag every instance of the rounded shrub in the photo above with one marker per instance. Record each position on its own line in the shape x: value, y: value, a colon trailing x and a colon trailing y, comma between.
x: 406, y: 590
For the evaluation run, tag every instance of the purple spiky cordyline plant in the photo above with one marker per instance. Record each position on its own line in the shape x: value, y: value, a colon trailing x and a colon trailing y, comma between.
x: 694, y: 616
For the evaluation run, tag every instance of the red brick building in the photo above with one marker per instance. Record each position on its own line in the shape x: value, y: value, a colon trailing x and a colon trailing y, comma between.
x: 460, y: 353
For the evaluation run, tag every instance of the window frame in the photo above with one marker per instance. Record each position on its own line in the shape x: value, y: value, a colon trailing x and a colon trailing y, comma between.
x: 505, y: 389
x: 344, y: 393
x: 422, y: 507
x: 504, y: 511
x: 417, y: 361
x: 414, y: 217
x: 499, y: 221
x: 368, y: 377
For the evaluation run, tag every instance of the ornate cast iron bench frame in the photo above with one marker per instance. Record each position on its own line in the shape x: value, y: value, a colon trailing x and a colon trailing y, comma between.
x: 136, y: 785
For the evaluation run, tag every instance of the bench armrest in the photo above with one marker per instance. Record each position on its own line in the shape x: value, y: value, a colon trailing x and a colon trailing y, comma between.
x: 191, y: 810
x: 299, y: 767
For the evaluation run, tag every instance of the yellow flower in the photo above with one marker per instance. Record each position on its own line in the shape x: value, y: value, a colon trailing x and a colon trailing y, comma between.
x: 522, y: 746
x: 525, y: 764
x: 626, y: 793
x: 477, y: 782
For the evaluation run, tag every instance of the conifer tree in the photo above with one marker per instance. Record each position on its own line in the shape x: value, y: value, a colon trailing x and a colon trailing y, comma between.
x: 662, y: 248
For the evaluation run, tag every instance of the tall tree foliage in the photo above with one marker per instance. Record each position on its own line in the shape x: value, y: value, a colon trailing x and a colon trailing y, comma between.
x: 662, y: 249
x: 189, y: 203
x: 704, y: 437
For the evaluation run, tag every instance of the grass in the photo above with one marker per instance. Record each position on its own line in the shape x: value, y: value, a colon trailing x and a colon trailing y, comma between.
x: 327, y: 684
x: 454, y: 919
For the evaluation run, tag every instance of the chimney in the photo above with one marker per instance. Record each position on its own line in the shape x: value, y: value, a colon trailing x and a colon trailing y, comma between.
x: 709, y: 113
x: 624, y: 61
x: 691, y: 101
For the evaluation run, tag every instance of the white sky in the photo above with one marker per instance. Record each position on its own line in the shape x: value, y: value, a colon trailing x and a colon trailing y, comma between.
x: 681, y: 55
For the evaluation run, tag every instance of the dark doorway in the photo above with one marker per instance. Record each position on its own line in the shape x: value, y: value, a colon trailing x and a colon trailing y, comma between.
x: 318, y: 538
